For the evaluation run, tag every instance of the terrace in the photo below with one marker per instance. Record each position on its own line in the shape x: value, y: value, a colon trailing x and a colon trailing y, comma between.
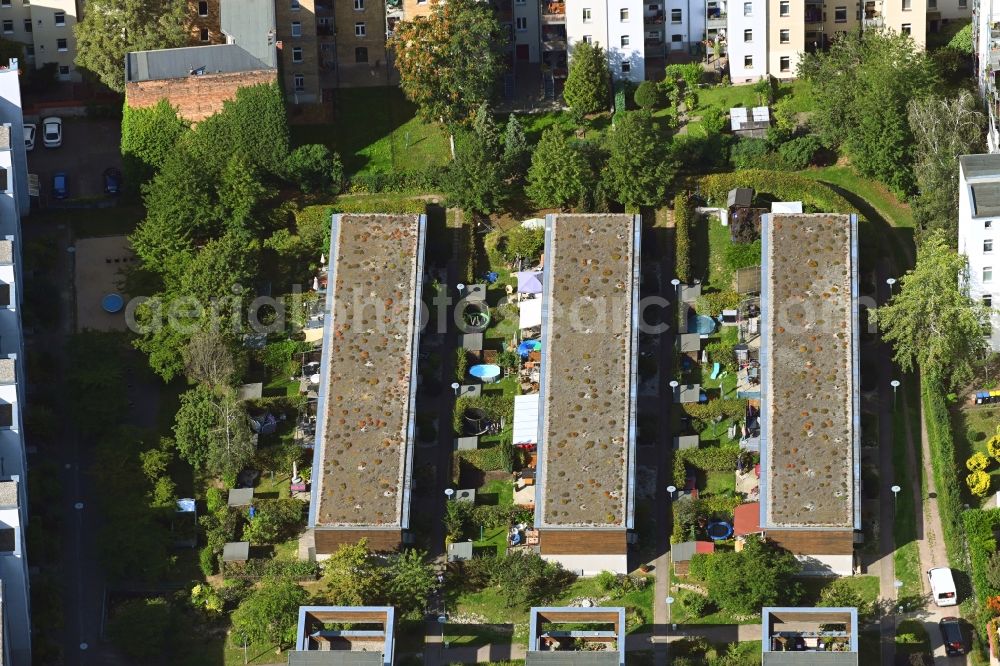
x: 810, y: 636
x: 809, y: 366
x: 586, y: 415
x: 345, y: 635
x: 366, y: 420
x: 595, y: 636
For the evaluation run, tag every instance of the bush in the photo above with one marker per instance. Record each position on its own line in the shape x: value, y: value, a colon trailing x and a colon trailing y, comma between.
x: 148, y: 136
x: 683, y: 221
x: 943, y: 464
x: 648, y: 96
x: 275, y: 520
x: 426, y: 180
x: 139, y: 627
x: 992, y: 571
x: 524, y: 580
x: 800, y: 153
x: 742, y: 255
x: 717, y: 301
x: 461, y: 364
x: 748, y: 153
x: 977, y: 462
x: 979, y: 483
x: 208, y: 561
x: 258, y: 568
x: 698, y: 605
x: 722, y: 352
x: 714, y: 459
x: 315, y: 169
x: 606, y: 580
x: 980, y: 533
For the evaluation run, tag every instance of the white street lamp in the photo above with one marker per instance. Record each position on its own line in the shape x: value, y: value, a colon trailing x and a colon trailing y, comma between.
x: 890, y: 282
x: 895, y: 493
x: 448, y: 492
x: 895, y: 385
x: 455, y: 386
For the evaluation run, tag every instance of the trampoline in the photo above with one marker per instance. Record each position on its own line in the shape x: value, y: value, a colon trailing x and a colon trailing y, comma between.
x: 112, y: 303
x: 528, y: 346
x: 476, y: 317
x: 701, y: 324
x: 476, y: 421
x: 485, y: 372
x: 719, y: 530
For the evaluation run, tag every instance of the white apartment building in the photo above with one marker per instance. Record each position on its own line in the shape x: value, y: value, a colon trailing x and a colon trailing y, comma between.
x: 986, y: 44
x: 979, y: 231
x: 746, y: 32
x: 45, y: 27
x: 617, y: 26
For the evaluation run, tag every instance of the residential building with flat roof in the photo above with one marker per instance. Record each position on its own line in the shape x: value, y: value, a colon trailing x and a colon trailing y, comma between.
x: 596, y: 636
x: 979, y: 229
x: 809, y: 636
x: 810, y: 388
x: 585, y: 494
x: 344, y: 636
x: 363, y: 458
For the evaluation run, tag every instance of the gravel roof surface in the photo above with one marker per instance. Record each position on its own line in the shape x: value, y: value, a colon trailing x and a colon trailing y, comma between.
x: 366, y: 414
x: 809, y: 376
x: 587, y: 366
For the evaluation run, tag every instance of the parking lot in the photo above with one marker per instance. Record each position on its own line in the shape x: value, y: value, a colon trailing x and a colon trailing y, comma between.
x: 88, y: 148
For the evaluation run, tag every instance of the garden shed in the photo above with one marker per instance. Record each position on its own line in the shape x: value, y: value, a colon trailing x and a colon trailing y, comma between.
x: 681, y: 554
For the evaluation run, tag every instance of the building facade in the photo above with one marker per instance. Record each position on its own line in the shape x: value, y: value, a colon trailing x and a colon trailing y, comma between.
x: 986, y: 45
x: 979, y: 229
x: 204, y: 22
x: 46, y: 30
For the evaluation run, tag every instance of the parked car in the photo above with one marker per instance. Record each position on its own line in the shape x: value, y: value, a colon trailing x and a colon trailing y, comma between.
x: 112, y: 180
x: 942, y: 586
x: 951, y: 635
x: 29, y: 136
x: 60, y: 185
x: 52, y: 132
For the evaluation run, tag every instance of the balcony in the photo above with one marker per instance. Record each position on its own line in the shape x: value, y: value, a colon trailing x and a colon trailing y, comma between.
x: 813, y: 15
x: 655, y: 17
x: 553, y: 12
x: 715, y: 20
x: 554, y: 38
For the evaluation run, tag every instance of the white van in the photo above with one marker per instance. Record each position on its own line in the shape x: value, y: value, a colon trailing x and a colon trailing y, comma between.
x: 942, y: 586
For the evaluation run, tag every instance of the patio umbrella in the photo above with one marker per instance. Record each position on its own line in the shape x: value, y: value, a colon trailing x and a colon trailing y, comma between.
x: 528, y: 346
x: 529, y: 282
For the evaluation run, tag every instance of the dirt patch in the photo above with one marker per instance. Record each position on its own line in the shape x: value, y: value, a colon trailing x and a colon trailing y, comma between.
x: 99, y: 265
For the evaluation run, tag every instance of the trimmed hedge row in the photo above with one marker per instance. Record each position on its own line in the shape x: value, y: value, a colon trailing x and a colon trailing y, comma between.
x: 714, y: 459
x: 428, y: 180
x: 783, y: 185
x: 944, y: 463
x: 368, y: 204
x: 979, y: 530
x: 706, y: 411
x: 683, y: 220
x: 257, y: 568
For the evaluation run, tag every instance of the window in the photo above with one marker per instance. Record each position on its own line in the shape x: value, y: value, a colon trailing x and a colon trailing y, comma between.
x: 747, y: 9
x: 625, y: 40
x: 521, y: 23
x: 676, y: 16
x: 60, y: 18
x: 748, y: 62
x: 987, y: 224
x: 907, y: 5
x: 63, y: 70
x: 299, y: 82
x: 623, y: 15
x: 519, y: 2
x: 360, y: 30
x: 296, y: 29
x: 626, y: 67
x: 203, y: 8
x: 586, y: 15
x: 785, y: 63
x: 27, y: 25
x: 987, y: 274
x: 905, y: 29
x: 4, y: 3
x: 8, y: 27
x: 676, y: 39
x: 588, y: 39
x: 359, y: 5
x: 62, y: 45
x: 748, y: 35
x: 784, y: 36
x: 29, y: 51
x: 784, y: 8
x: 361, y: 54
x: 6, y: 415
x: 962, y: 4
x: 840, y: 14
x: 296, y: 54
x: 988, y: 300
x: 931, y: 4
x: 988, y: 246
x: 204, y: 35
x: 294, y: 5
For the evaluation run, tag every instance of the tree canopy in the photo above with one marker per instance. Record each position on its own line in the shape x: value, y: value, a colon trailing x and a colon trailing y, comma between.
x: 476, y: 180
x: 212, y: 432
x: 269, y: 614
x: 560, y: 173
x: 588, y: 83
x: 112, y: 28
x: 148, y: 136
x: 639, y: 168
x: 862, y: 86
x: 932, y: 322
x: 762, y: 574
x: 449, y: 61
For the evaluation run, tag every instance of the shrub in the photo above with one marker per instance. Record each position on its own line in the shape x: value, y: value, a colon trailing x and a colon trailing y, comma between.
x: 426, y: 180
x: 214, y: 499
x: 993, y: 446
x: 714, y: 459
x: 314, y: 169
x: 943, y: 464
x: 979, y: 483
x: 139, y: 627
x: 717, y: 301
x: 800, y: 153
x: 742, y: 255
x: 977, y: 462
x: 992, y: 571
x: 606, y: 580
x: 708, y: 411
x: 722, y: 352
x: 980, y: 529
x: 258, y: 568
x: 461, y: 364
x: 207, y: 561
x: 698, y: 605
x: 683, y: 221
x: 148, y: 136
x: 648, y: 95
x: 748, y: 153
x: 275, y: 520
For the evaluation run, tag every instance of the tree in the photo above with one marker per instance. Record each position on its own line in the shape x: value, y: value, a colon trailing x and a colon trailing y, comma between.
x: 639, y: 169
x: 112, y: 28
x: 212, y: 432
x: 943, y: 129
x: 588, y: 83
x: 410, y: 580
x: 559, y: 173
x: 449, y: 61
x: 148, y: 136
x: 840, y: 593
x: 648, y: 95
x: 269, y: 614
x: 762, y: 574
x: 315, y: 169
x: 932, y: 322
x: 140, y: 628
x: 193, y: 425
x: 862, y: 86
x: 275, y: 520
x: 515, y: 147
x: 352, y: 577
x: 524, y: 580
x: 209, y: 359
x: 476, y: 181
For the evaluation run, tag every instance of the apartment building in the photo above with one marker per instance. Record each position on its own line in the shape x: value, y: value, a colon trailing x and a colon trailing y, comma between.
x: 204, y: 22
x: 359, y: 635
x: 585, y: 638
x: 979, y: 229
x: 806, y: 635
x: 810, y: 388
x: 585, y: 478
x: 46, y: 30
x: 363, y: 455
x: 15, y: 598
x: 986, y: 46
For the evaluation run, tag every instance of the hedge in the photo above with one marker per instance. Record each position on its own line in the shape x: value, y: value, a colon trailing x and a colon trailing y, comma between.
x: 427, y: 180
x: 782, y: 185
x: 683, y: 220
x: 944, y: 463
x: 706, y: 411
x: 979, y: 532
x: 712, y: 459
x: 257, y: 568
x: 368, y: 204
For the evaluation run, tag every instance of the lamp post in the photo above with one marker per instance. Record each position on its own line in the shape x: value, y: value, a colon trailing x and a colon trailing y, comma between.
x: 677, y: 286
x: 454, y: 387
x: 461, y: 289
x: 671, y: 490
x: 670, y: 601
x: 890, y: 282
x: 448, y: 492
x: 442, y: 619
x: 895, y: 385
x: 895, y: 493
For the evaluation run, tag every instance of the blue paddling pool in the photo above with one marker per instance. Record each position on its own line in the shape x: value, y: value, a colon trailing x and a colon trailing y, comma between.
x: 701, y: 324
x: 485, y: 372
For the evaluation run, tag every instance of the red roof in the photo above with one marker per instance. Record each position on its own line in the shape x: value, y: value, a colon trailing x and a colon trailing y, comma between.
x: 746, y: 519
x: 705, y: 547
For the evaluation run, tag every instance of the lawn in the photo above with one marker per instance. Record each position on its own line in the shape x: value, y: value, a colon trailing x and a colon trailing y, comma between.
x: 719, y: 483
x: 376, y: 130
x: 972, y: 426
x: 907, y: 556
x: 725, y: 98
x: 867, y: 587
x: 895, y: 212
x: 711, y: 241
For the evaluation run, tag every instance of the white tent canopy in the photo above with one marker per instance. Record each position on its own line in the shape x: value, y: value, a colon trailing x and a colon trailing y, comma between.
x: 531, y: 313
x: 526, y: 419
